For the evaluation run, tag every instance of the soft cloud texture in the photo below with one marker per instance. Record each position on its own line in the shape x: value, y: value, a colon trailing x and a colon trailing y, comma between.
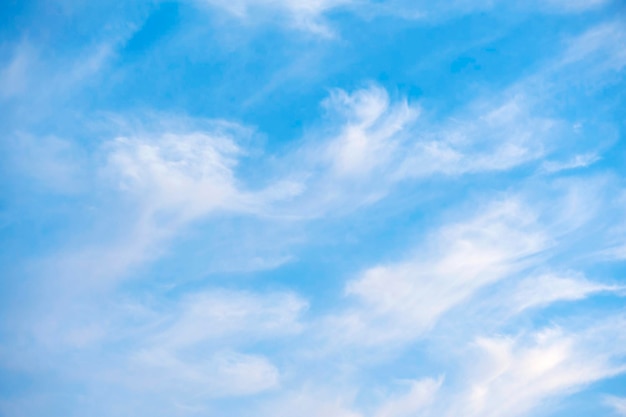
x: 304, y: 15
x: 518, y: 375
x: 404, y: 300
x: 618, y: 404
x: 339, y: 208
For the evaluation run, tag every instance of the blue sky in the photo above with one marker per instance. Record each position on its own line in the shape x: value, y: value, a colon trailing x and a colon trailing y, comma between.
x: 337, y: 208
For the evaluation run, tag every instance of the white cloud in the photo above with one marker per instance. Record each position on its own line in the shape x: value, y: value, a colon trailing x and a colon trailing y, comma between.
x: 309, y: 402
x: 374, y: 144
x: 14, y: 77
x: 301, y: 14
x: 546, y: 289
x: 190, y: 348
x: 618, y: 404
x: 313, y: 7
x: 387, y: 139
x: 490, y: 138
x: 571, y: 6
x: 516, y: 375
x: 428, y: 11
x: 184, y: 353
x: 39, y: 81
x: 218, y: 375
x: 191, y: 173
x: 308, y: 14
x: 578, y: 161
x: 53, y: 163
x: 404, y: 299
x: 500, y: 305
x: 220, y: 316
x: 616, y: 253
x: 597, y: 52
x: 373, y: 133
x: 160, y: 182
x: 421, y: 395
x: 482, y: 272
x: 214, y: 343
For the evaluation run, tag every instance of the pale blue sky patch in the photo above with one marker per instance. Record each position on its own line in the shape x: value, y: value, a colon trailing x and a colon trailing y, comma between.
x: 332, y: 208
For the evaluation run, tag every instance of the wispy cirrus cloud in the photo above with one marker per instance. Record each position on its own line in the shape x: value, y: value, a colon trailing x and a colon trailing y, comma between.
x: 417, y: 400
x: 399, y: 255
x: 544, y: 290
x: 516, y: 375
x: 309, y: 15
x: 194, y: 348
x: 618, y: 404
x: 305, y: 15
x: 404, y: 300
x: 195, y: 345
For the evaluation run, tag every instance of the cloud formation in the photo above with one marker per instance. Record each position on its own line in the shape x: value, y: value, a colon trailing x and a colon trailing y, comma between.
x: 192, y: 227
